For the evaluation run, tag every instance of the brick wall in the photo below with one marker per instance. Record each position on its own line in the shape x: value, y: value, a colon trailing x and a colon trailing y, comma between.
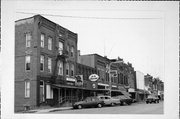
x: 21, y: 75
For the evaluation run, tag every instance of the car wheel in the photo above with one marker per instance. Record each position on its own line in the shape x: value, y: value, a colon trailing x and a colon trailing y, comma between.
x: 112, y: 104
x: 146, y: 102
x: 79, y: 106
x: 99, y: 105
x: 121, y: 103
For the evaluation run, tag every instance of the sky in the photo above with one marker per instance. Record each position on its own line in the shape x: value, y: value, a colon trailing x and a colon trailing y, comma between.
x: 136, y: 34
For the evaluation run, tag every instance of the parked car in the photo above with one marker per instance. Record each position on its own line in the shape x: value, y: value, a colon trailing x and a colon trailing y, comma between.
x: 108, y: 100
x: 124, y: 99
x: 89, y: 102
x: 152, y: 98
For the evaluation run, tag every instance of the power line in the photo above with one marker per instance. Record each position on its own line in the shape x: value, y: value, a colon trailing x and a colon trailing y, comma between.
x: 69, y: 16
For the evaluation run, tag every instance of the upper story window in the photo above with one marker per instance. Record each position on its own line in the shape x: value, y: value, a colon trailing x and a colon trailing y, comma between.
x: 49, y: 43
x: 28, y: 39
x: 27, y: 62
x: 72, y: 70
x: 42, y: 40
x: 49, y: 65
x: 60, y: 68
x: 60, y: 47
x: 42, y: 63
x: 72, y: 51
x: 67, y: 49
x: 27, y: 89
x: 67, y: 69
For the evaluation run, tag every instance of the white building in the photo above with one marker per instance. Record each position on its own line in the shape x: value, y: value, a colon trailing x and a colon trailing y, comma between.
x: 140, y: 80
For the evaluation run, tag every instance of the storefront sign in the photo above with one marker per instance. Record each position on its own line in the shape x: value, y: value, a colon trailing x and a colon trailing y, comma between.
x: 70, y: 83
x: 71, y: 79
x: 79, y: 80
x: 93, y: 77
x: 114, y: 86
x: 94, y: 85
x: 131, y: 90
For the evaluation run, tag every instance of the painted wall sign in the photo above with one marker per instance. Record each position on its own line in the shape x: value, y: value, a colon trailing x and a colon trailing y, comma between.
x: 93, y: 77
x: 79, y: 80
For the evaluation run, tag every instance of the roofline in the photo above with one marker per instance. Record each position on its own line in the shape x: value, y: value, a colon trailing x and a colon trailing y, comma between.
x: 47, y: 20
x: 95, y: 54
x: 25, y: 18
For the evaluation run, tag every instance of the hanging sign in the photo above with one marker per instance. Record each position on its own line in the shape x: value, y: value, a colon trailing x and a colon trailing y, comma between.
x: 93, y: 77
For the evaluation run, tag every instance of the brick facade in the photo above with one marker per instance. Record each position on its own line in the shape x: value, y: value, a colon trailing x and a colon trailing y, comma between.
x: 36, y: 26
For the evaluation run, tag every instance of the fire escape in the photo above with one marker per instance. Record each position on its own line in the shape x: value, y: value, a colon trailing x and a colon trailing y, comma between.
x: 62, y: 55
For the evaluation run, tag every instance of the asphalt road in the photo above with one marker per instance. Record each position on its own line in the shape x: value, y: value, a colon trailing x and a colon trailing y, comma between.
x: 135, y: 108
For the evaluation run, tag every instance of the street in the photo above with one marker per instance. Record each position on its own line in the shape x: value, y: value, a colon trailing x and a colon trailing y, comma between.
x: 135, y: 108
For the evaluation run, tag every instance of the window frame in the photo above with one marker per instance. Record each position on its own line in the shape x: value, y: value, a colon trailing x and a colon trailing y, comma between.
x: 60, y: 49
x: 67, y: 69
x: 50, y: 40
x: 26, y: 62
x: 42, y: 56
x: 72, y: 69
x: 27, y: 88
x: 49, y: 65
x: 28, y: 39
x: 68, y: 48
x: 72, y: 51
x: 42, y: 41
x: 60, y: 69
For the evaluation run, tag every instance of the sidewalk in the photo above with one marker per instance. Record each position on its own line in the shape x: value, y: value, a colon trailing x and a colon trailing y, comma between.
x: 48, y: 110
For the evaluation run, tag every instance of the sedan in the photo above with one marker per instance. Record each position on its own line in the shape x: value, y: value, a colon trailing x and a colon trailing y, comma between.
x: 108, y: 100
x: 124, y: 99
x: 89, y: 102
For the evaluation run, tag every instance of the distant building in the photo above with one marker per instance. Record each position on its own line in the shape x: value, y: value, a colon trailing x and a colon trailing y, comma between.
x: 140, y: 86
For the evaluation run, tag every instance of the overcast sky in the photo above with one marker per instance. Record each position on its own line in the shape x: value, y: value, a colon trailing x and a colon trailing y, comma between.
x: 136, y: 34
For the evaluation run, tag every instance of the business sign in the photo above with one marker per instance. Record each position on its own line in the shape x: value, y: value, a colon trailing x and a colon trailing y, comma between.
x: 71, y: 79
x: 93, y: 77
x: 94, y: 85
x: 79, y: 80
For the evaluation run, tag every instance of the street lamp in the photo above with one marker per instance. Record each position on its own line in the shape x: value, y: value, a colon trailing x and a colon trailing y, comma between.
x: 109, y: 69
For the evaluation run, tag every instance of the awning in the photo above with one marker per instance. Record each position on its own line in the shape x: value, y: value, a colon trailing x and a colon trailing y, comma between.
x: 125, y: 93
x: 102, y: 84
x: 66, y: 86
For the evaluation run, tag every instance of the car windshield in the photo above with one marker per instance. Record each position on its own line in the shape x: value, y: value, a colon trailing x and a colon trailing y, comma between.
x: 88, y: 99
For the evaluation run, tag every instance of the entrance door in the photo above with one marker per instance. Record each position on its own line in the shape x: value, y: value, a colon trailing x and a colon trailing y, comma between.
x: 42, y: 99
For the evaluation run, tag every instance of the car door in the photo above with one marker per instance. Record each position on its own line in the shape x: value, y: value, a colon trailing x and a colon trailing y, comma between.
x: 87, y: 102
x: 107, y: 100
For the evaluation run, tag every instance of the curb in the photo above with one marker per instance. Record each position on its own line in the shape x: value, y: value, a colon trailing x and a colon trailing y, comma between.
x: 60, y: 109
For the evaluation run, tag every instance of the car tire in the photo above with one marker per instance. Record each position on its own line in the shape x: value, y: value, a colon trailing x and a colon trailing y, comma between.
x: 99, y: 105
x: 147, y: 102
x: 112, y: 104
x: 121, y: 103
x: 79, y: 106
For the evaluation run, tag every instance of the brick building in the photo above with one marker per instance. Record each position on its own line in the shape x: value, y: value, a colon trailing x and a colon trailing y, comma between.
x: 45, y: 61
x: 118, y: 83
